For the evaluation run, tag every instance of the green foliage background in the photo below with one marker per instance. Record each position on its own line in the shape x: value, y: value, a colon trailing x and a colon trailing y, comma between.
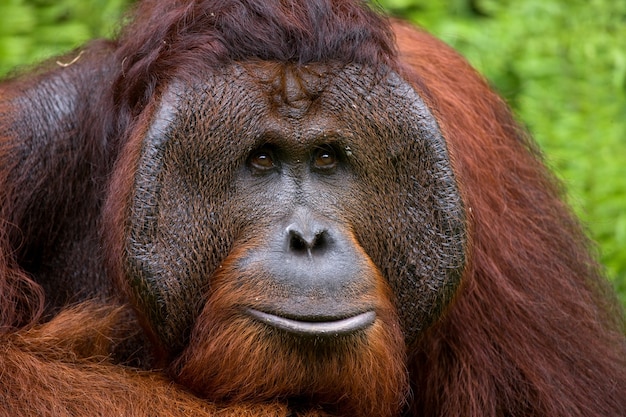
x: 561, y: 64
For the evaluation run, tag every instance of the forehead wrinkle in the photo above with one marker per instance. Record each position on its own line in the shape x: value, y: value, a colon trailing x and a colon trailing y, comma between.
x: 240, y: 95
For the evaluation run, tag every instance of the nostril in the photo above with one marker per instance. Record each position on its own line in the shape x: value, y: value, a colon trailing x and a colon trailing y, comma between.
x: 304, y: 242
x: 297, y: 242
x: 320, y: 240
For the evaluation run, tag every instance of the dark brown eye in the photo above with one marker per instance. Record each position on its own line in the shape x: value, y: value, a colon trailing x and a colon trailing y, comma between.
x: 262, y: 160
x: 325, y: 158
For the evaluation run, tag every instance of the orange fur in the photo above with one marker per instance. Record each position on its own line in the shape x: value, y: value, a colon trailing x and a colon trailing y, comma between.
x: 535, y: 331
x: 63, y: 369
x: 343, y: 374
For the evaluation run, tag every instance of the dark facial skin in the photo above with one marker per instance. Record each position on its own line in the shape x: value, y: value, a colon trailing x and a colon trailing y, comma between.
x: 314, y: 177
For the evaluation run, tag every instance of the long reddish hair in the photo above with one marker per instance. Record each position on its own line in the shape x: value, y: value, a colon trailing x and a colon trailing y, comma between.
x: 535, y: 329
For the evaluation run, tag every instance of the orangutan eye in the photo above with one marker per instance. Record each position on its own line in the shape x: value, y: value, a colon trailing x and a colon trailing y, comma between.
x: 262, y: 159
x: 325, y: 158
